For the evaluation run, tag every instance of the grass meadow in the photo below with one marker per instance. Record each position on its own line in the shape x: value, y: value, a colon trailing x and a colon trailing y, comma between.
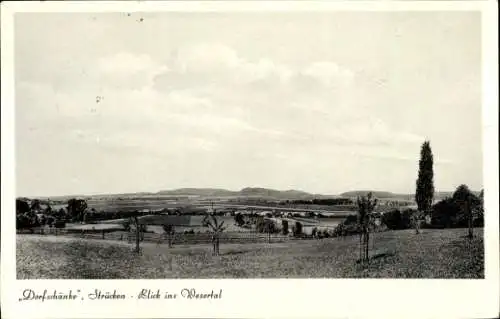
x: 443, y: 253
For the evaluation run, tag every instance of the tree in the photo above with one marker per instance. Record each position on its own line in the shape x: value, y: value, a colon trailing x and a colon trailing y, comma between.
x: 36, y: 206
x: 445, y: 214
x: 85, y: 217
x: 135, y: 220
x: 76, y: 208
x: 479, y: 210
x: 25, y: 217
x: 260, y: 224
x: 169, y: 231
x: 61, y: 214
x: 216, y: 228
x: 50, y: 221
x: 424, y: 194
x: 366, y: 205
x: 269, y: 228
x: 22, y: 207
x: 142, y: 230
x: 48, y: 209
x: 468, y: 203
x: 284, y: 224
x: 297, y: 229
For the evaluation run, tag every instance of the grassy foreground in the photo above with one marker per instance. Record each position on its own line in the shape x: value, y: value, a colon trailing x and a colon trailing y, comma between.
x: 395, y: 254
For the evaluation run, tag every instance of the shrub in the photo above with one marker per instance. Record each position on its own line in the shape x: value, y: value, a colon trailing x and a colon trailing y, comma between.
x: 392, y: 219
x: 479, y: 221
x: 325, y: 233
x: 50, y: 221
x: 406, y: 218
x: 315, y: 232
x: 346, y: 228
x: 338, y: 230
x: 239, y: 219
x: 446, y: 213
x: 167, y: 228
x: 22, y: 221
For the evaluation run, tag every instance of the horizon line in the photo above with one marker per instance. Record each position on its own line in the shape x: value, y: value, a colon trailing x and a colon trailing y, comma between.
x: 221, y: 189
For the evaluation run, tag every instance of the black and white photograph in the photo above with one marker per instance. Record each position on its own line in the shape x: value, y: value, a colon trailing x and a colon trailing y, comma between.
x: 336, y: 145
x: 301, y: 144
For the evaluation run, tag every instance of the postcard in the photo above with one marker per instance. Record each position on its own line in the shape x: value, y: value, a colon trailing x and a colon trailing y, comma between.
x: 250, y: 159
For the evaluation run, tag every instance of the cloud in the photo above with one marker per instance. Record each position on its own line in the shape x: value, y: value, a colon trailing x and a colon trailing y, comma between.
x: 126, y: 70
x: 208, y: 99
x: 124, y: 63
x: 329, y: 74
x: 206, y: 64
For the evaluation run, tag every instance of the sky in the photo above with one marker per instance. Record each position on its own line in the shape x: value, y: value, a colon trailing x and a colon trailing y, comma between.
x: 324, y: 102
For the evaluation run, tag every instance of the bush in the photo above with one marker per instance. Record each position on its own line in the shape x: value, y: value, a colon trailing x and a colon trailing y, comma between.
x: 167, y: 228
x: 392, y: 219
x: 50, y: 221
x: 479, y: 221
x: 446, y: 214
x: 406, y: 218
x: 396, y: 219
x: 239, y: 219
x: 22, y: 221
x: 325, y: 233
x: 315, y: 232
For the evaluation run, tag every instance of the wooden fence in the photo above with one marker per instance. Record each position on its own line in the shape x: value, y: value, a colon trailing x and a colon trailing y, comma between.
x: 178, y: 239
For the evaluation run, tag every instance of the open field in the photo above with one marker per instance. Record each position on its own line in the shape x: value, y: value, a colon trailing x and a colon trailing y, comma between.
x: 114, y: 228
x: 199, y: 204
x: 395, y: 254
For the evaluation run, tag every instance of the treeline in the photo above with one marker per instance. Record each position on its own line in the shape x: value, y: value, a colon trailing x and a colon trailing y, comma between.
x: 319, y: 201
x: 30, y: 214
x: 35, y: 213
x: 463, y: 209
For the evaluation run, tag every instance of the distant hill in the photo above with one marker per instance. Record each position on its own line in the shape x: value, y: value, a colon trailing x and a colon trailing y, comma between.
x: 258, y: 192
x: 378, y: 194
x: 266, y: 192
x: 198, y: 192
x: 245, y: 192
x: 389, y: 195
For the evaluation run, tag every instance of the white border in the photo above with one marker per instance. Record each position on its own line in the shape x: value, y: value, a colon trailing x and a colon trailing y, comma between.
x: 307, y: 298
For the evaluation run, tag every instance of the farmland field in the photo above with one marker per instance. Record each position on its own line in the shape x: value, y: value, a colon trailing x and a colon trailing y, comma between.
x: 395, y: 254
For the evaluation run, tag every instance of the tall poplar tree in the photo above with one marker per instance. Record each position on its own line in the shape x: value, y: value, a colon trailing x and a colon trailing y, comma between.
x: 424, y: 194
